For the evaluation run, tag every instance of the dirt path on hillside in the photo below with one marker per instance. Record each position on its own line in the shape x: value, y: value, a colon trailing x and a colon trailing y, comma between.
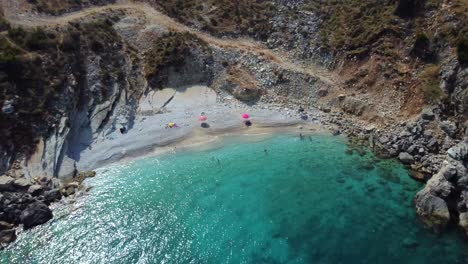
x: 18, y: 13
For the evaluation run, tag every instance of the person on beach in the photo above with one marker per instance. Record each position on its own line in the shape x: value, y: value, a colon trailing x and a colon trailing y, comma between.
x: 171, y: 125
x: 248, y: 123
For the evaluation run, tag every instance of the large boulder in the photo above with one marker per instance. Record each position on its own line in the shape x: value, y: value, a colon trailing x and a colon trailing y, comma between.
x: 353, y: 106
x: 36, y: 190
x: 6, y: 183
x: 406, y: 158
x: 247, y: 94
x: 459, y: 151
x: 52, y: 196
x: 427, y: 114
x: 449, y: 127
x: 431, y: 205
x: 433, y: 211
x: 35, y: 214
x: 22, y: 183
x: 463, y: 222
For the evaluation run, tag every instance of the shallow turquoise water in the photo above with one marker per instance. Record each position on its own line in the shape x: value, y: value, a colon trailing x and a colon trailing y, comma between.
x: 301, y: 202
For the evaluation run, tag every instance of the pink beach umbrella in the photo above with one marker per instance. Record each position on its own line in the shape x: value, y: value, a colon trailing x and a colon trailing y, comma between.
x: 245, y: 116
x: 202, y: 118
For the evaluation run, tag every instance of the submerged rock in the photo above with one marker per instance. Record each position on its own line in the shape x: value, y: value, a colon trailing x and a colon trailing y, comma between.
x: 35, y: 214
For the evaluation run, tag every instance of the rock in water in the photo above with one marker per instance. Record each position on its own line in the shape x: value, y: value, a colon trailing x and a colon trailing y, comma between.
x: 433, y: 211
x: 35, y: 214
x: 463, y: 222
x: 405, y: 158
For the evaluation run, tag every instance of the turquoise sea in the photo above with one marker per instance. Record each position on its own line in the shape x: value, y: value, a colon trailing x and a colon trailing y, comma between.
x: 300, y: 201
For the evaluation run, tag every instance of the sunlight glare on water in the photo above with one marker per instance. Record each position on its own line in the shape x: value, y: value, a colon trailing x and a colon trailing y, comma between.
x: 302, y: 201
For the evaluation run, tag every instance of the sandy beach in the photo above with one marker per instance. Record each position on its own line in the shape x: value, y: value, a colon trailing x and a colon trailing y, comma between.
x: 150, y: 135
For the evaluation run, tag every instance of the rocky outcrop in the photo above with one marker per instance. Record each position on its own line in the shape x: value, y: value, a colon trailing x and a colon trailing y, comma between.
x: 444, y: 198
x: 405, y: 158
x: 430, y: 202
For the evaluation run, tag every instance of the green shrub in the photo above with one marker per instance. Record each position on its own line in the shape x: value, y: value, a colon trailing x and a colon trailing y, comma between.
x: 430, y: 84
x: 8, y: 54
x: 462, y: 50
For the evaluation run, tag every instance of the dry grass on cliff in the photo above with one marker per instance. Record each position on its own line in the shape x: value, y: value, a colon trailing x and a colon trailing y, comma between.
x: 222, y: 17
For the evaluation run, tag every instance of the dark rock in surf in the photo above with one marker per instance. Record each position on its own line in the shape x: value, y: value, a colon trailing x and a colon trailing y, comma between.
x: 35, y: 214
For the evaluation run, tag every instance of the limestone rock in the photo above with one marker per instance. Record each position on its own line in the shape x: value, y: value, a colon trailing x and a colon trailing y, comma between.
x: 353, y: 106
x: 22, y: 183
x: 450, y: 128
x: 247, y: 94
x: 36, y: 189
x: 322, y: 92
x: 433, y: 211
x: 70, y: 190
x: 6, y: 183
x: 427, y: 114
x: 463, y: 222
x: 4, y: 225
x: 35, y: 214
x: 405, y: 158
x: 459, y: 151
x: 8, y: 107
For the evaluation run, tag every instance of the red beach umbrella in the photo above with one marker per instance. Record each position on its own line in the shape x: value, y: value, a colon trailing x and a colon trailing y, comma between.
x: 245, y: 116
x: 202, y: 118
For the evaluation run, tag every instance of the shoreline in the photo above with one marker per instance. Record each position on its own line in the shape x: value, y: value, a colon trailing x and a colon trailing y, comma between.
x: 200, y: 140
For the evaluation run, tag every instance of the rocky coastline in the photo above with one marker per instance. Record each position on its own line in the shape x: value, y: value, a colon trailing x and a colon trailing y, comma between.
x: 434, y: 150
x: 25, y: 203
